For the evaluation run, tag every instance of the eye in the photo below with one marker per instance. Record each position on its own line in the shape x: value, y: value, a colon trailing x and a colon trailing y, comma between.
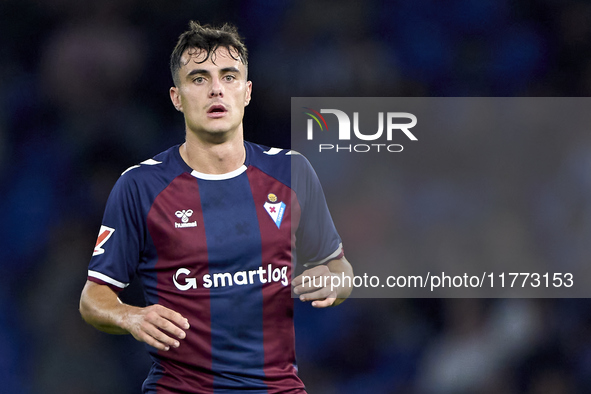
x: 229, y: 78
x: 199, y: 79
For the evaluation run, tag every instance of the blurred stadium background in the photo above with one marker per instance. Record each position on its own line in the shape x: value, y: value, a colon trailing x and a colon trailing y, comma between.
x: 83, y: 95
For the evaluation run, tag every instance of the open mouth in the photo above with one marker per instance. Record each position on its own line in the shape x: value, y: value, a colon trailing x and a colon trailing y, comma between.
x: 216, y: 109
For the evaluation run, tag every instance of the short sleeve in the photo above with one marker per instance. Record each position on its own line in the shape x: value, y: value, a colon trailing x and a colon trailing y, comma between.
x: 317, y: 240
x: 119, y: 243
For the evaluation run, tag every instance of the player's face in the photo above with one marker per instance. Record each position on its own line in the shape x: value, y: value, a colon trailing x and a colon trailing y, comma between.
x: 212, y: 94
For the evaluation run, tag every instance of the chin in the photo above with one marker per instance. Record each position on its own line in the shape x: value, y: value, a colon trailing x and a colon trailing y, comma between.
x: 218, y: 135
x: 217, y: 131
x: 220, y: 131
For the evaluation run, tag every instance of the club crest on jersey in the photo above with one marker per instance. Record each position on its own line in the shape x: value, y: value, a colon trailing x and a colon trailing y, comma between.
x: 104, y: 235
x: 275, y: 209
x: 184, y: 215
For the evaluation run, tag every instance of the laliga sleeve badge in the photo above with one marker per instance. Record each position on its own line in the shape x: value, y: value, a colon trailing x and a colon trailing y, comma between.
x: 104, y: 235
x: 275, y: 209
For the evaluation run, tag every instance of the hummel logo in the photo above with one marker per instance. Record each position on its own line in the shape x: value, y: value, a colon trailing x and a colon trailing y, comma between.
x: 184, y: 215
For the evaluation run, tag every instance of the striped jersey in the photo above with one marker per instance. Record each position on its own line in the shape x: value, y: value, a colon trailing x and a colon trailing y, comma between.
x: 220, y: 250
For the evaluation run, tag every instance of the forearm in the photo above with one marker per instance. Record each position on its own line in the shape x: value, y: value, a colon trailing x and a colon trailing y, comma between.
x: 101, y: 308
x: 342, y: 267
x: 156, y: 325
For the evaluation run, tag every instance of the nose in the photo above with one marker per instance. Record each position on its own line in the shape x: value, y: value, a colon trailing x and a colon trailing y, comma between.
x: 216, y: 89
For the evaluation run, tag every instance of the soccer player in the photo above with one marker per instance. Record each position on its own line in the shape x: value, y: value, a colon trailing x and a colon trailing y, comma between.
x: 213, y: 229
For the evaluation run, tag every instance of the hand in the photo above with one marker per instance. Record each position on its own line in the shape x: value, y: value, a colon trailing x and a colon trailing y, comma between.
x: 315, y: 284
x: 157, y: 326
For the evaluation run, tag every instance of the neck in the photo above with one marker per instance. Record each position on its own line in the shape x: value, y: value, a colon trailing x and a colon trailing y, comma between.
x: 213, y: 157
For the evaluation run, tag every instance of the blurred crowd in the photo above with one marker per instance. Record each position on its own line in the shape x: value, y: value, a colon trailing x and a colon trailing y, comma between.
x: 84, y: 95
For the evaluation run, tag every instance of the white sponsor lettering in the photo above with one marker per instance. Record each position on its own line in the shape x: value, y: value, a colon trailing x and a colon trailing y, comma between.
x: 240, y: 278
x: 190, y: 283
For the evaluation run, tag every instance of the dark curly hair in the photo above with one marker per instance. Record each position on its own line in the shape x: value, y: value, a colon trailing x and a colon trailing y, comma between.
x: 207, y: 38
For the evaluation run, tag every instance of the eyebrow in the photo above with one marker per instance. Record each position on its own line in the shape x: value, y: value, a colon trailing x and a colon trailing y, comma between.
x: 196, y: 71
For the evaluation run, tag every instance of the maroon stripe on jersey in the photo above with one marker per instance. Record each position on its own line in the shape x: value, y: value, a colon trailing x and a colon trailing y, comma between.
x: 175, y: 223
x: 278, y: 329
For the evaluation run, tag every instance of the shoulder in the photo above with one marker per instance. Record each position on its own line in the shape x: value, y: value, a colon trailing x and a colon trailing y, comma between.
x: 264, y: 156
x: 273, y: 162
x: 164, y: 162
x: 286, y: 165
x: 154, y: 173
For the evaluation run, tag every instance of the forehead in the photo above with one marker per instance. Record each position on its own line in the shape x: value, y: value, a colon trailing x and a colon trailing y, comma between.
x: 222, y: 56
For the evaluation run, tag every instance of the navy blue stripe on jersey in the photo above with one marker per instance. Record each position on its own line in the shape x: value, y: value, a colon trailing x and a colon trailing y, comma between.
x: 236, y: 308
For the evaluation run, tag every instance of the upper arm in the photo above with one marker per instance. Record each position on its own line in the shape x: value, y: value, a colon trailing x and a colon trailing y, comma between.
x: 317, y: 240
x: 120, y: 239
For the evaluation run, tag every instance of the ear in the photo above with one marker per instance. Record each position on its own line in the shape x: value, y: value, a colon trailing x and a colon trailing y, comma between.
x: 176, y: 98
x: 248, y: 93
